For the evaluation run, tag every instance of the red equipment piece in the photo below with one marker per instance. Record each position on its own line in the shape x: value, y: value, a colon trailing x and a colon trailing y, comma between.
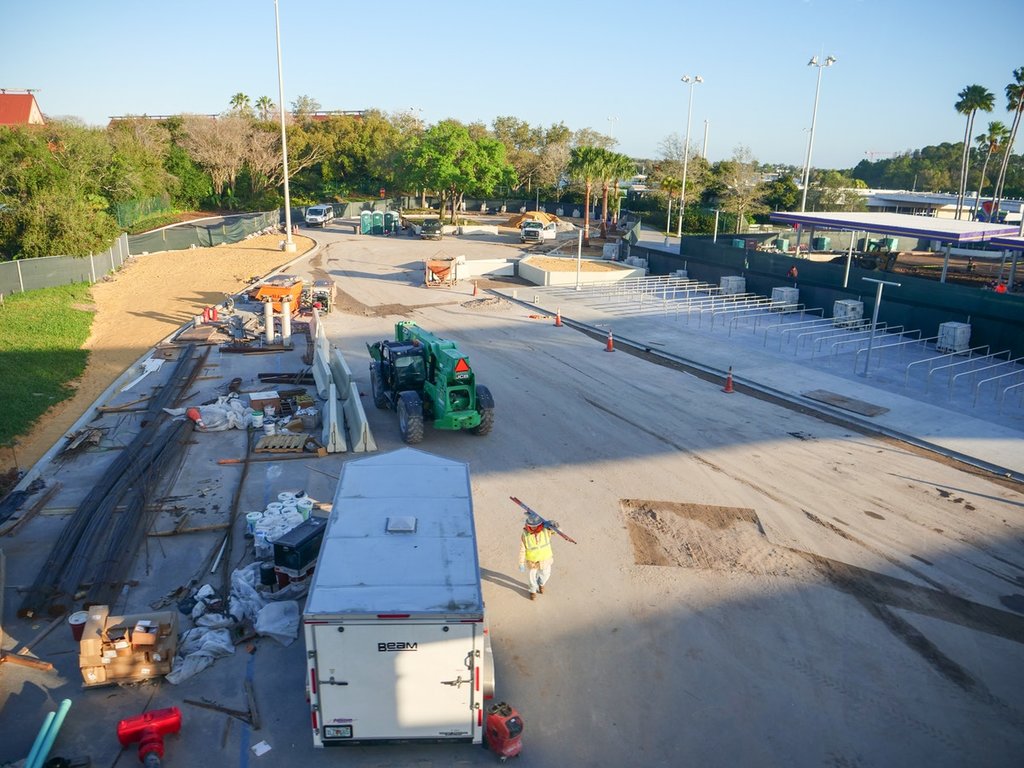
x: 503, y: 733
x: 149, y: 730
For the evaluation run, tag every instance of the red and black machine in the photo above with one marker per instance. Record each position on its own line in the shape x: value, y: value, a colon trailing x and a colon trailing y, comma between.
x: 149, y: 730
x: 503, y: 733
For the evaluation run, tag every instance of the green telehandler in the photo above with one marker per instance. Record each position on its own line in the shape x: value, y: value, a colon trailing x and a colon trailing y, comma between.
x: 425, y: 378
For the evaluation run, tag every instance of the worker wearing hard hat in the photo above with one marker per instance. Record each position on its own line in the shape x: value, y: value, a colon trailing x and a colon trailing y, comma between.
x: 535, y: 553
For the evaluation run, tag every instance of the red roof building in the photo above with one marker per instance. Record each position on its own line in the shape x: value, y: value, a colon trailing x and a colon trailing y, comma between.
x: 19, y: 109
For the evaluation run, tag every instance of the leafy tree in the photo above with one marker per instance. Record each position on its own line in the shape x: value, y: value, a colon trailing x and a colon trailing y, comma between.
x: 51, y: 190
x: 782, y: 194
x: 585, y: 168
x: 833, y: 191
x: 1015, y: 104
x: 970, y: 100
x: 305, y: 106
x: 136, y: 169
x: 449, y: 159
x: 990, y: 142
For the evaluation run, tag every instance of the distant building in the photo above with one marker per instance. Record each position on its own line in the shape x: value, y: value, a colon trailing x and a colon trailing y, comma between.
x: 19, y: 109
x: 936, y: 204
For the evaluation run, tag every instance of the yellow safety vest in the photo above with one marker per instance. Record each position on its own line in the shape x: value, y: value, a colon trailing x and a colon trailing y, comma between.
x: 538, y: 545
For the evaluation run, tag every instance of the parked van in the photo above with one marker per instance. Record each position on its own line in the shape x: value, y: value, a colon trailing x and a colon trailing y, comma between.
x: 319, y: 215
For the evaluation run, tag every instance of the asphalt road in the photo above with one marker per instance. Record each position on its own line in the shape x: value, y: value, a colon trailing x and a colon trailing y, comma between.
x: 752, y: 585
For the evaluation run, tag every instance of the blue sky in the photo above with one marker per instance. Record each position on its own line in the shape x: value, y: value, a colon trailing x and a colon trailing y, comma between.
x: 900, y: 64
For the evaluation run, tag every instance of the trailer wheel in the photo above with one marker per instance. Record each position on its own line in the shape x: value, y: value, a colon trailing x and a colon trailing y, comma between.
x: 485, y: 407
x: 379, y: 399
x: 410, y: 417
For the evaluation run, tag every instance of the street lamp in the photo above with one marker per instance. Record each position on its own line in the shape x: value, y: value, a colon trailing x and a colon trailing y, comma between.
x: 829, y: 61
x: 613, y: 120
x: 691, y: 81
x: 288, y: 244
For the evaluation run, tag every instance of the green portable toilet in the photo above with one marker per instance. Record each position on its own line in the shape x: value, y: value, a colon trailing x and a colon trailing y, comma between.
x: 365, y: 223
x: 739, y: 243
x: 390, y: 222
x: 782, y: 244
x: 378, y: 223
x: 821, y: 244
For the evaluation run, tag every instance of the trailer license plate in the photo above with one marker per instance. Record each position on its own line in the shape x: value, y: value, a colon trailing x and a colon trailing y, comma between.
x: 337, y: 731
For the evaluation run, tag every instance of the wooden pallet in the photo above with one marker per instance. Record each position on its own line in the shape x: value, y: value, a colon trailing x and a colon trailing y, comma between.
x: 281, y: 444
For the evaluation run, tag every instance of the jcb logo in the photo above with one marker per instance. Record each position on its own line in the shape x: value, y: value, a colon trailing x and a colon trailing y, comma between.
x: 387, y: 647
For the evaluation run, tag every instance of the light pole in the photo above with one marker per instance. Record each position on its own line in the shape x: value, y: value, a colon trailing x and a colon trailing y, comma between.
x: 613, y: 120
x: 704, y: 152
x: 829, y: 61
x: 288, y: 244
x: 874, y: 317
x: 691, y: 81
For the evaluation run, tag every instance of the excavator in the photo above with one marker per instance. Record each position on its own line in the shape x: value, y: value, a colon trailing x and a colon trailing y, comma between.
x: 426, y: 379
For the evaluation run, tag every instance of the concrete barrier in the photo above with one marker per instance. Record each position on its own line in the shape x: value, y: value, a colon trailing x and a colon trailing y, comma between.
x: 355, y: 419
x: 333, y: 435
x: 340, y: 374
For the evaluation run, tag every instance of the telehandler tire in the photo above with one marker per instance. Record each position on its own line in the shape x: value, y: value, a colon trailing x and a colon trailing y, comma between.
x: 410, y: 417
x: 485, y: 407
x: 379, y: 398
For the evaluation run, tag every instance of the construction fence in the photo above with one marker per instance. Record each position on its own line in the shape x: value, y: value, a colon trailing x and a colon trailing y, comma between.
x: 23, y: 275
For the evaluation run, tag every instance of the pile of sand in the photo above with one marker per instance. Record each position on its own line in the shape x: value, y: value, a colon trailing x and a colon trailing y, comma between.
x: 545, y: 218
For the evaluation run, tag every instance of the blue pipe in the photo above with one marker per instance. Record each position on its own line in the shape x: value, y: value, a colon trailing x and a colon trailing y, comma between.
x: 39, y: 738
x: 51, y: 735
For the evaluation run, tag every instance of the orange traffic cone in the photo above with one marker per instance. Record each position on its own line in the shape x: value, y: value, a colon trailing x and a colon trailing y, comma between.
x: 558, y: 318
x: 610, y: 346
x: 474, y: 288
x: 728, y: 382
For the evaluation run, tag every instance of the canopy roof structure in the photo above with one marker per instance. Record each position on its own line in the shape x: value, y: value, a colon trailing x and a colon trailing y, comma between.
x: 944, y: 230
x: 1013, y: 242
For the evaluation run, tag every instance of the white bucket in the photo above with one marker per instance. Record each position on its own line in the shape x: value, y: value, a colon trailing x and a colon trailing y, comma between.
x: 251, y: 518
x: 274, y: 508
x: 257, y: 419
x: 305, y: 507
x: 286, y: 497
x: 269, y: 428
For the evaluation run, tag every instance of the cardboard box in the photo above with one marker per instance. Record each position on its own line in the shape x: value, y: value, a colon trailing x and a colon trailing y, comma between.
x: 260, y: 400
x: 127, y: 648
x: 144, y: 636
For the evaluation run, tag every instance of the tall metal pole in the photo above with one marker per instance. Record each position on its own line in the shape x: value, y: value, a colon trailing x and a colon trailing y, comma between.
x: 288, y: 244
x: 691, y: 81
x: 704, y: 151
x: 829, y: 61
x: 579, y: 258
x: 874, y: 318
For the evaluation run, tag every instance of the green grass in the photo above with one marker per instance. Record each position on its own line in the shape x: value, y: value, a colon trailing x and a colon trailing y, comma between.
x: 41, y: 338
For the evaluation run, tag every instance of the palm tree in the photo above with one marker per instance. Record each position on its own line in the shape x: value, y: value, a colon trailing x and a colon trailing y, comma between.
x: 672, y: 187
x: 585, y: 167
x: 1015, y: 104
x: 971, y: 99
x: 621, y: 167
x: 991, y: 142
x: 264, y: 107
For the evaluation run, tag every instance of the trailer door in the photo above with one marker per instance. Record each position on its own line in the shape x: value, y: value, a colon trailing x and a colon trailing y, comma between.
x: 396, y: 681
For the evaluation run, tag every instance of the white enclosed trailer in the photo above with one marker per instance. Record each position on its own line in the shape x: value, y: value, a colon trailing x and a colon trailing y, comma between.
x: 396, y: 643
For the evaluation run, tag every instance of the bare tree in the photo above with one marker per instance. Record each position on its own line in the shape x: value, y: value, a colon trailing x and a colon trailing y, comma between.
x: 739, y: 185
x: 218, y: 145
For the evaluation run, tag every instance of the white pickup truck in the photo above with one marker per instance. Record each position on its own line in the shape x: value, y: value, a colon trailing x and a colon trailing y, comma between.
x: 535, y: 231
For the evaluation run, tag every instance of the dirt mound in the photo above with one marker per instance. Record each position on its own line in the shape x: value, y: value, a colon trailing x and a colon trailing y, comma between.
x: 545, y: 218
